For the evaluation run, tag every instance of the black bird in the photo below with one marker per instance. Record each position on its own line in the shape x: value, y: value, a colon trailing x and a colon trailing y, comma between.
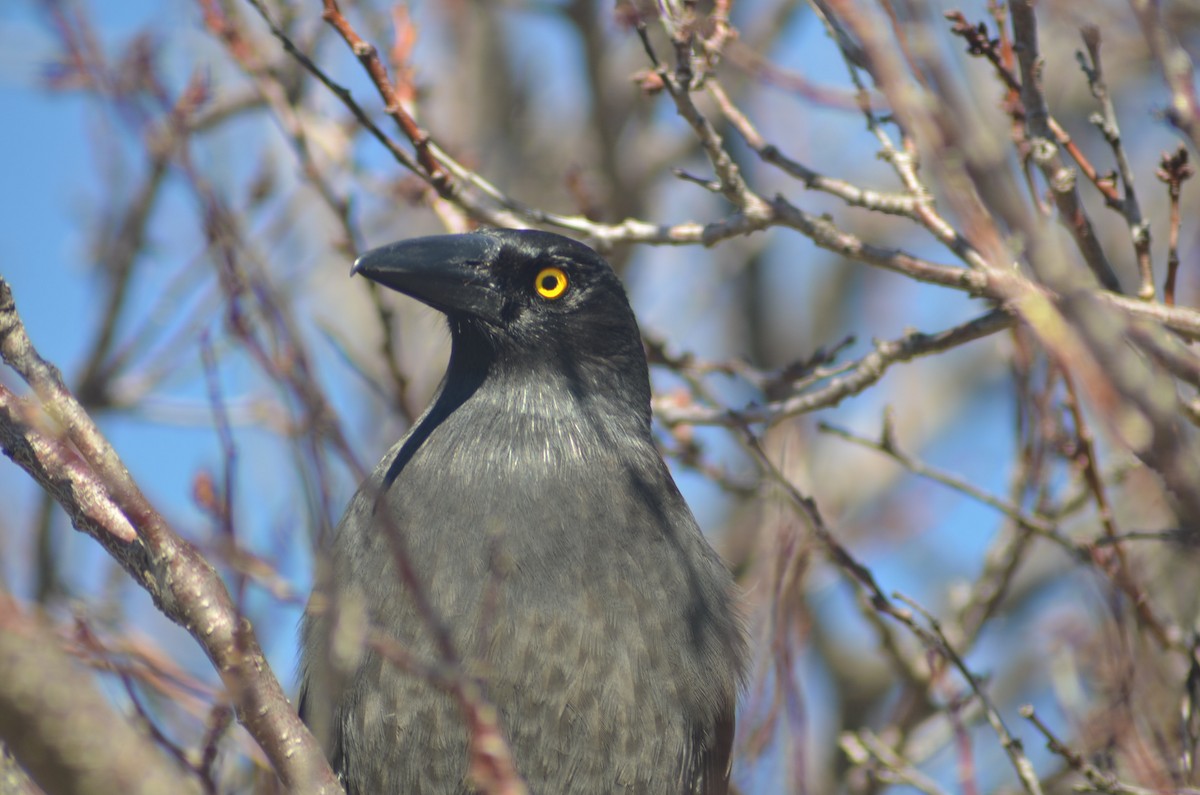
x: 548, y: 536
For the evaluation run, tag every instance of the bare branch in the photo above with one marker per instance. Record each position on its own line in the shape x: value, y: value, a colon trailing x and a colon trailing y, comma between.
x: 1058, y: 176
x: 182, y: 584
x: 853, y: 379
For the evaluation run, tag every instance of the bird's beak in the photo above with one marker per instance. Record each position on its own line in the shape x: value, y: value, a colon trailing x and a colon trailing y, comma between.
x: 450, y: 273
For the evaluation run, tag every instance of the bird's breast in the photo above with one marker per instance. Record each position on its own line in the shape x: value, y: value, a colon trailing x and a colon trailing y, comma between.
x: 575, y: 585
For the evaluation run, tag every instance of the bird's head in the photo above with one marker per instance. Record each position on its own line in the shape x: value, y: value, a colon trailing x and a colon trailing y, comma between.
x: 520, y: 301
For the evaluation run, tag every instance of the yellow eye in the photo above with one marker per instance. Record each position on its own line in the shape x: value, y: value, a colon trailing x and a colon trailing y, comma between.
x: 550, y: 283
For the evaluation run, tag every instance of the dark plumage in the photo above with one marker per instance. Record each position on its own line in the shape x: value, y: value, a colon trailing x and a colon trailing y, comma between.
x: 550, y: 538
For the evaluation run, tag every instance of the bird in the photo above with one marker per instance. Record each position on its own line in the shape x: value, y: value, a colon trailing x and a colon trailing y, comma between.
x: 529, y: 512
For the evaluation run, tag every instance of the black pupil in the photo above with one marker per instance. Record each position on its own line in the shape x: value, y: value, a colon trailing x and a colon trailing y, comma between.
x: 549, y: 283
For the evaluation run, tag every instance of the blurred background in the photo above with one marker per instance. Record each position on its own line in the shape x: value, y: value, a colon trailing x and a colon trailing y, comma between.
x: 181, y: 199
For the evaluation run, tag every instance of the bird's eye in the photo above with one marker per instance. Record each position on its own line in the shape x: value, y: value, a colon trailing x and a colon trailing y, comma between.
x: 550, y: 283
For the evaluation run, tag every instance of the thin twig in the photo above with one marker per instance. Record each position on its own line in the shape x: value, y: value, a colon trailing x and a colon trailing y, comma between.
x: 1012, y: 746
x: 1098, y: 780
x: 1174, y: 170
x: 888, y: 445
x: 865, y: 747
x: 1139, y: 227
x: 369, y: 57
x: 855, y: 378
x: 1059, y: 178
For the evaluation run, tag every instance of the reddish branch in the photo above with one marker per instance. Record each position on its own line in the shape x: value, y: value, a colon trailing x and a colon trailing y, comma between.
x: 368, y: 55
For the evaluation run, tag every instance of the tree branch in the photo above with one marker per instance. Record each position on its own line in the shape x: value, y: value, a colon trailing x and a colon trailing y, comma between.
x: 180, y: 581
x: 62, y: 730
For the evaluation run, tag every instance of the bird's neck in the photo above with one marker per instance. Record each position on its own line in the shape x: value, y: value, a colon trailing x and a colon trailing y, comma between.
x: 537, y: 413
x: 549, y: 383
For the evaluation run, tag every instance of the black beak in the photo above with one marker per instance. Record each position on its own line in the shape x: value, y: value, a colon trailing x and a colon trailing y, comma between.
x: 451, y: 273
